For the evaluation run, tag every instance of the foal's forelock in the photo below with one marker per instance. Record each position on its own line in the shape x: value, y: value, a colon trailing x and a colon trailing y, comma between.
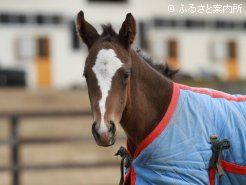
x: 106, y: 65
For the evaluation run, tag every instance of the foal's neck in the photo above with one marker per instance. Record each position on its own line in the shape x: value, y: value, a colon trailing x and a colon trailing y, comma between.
x: 149, y: 94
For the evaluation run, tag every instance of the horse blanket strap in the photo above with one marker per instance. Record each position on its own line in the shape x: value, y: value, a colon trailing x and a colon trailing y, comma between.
x: 217, y: 147
x: 126, y: 161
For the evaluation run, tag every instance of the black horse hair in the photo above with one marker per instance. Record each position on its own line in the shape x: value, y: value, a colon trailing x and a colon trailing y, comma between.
x: 164, y: 69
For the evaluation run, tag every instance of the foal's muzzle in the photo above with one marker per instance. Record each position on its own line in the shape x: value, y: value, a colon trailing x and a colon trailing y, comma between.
x: 106, y: 138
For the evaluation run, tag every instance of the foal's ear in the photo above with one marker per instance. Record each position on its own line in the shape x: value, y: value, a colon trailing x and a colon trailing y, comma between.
x: 127, y: 31
x: 85, y: 30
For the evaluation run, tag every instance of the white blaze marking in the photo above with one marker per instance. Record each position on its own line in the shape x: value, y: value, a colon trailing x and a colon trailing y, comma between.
x: 106, y: 65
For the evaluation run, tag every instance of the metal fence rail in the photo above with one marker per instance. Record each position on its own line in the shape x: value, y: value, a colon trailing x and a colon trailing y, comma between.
x: 14, y: 142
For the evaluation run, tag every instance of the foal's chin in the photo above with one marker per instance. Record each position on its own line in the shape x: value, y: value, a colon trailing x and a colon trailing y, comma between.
x: 105, y: 143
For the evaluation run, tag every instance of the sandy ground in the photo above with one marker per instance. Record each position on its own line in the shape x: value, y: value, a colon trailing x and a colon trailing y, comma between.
x: 14, y: 100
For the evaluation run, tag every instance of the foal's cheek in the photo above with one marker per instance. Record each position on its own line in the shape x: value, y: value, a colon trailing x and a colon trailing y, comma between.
x: 118, y: 104
x: 122, y: 102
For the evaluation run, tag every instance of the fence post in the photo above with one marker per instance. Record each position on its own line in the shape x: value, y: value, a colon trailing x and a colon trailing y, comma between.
x: 15, y: 150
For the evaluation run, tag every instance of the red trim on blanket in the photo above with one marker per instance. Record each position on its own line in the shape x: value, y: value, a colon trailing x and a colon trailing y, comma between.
x: 214, y: 94
x: 133, y: 177
x: 212, y: 172
x: 233, y: 168
x: 228, y: 167
x: 129, y: 173
x: 155, y: 133
x: 163, y: 123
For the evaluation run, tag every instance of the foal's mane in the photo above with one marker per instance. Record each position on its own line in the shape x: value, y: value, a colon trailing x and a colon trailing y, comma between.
x: 109, y: 34
x: 164, y: 69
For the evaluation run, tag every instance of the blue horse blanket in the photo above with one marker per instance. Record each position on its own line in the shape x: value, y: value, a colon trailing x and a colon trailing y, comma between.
x: 178, y: 150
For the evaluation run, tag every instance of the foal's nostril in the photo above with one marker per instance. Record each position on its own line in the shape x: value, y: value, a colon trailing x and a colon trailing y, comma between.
x: 94, y: 130
x: 112, y: 127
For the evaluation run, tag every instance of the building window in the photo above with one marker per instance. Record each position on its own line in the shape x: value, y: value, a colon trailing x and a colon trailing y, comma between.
x: 172, y: 48
x: 232, y: 49
x: 40, y: 19
x: 56, y: 19
x: 43, y: 47
x: 191, y: 23
x: 22, y: 19
x: 232, y: 61
x: 160, y: 22
x: 4, y: 18
x: 172, y: 52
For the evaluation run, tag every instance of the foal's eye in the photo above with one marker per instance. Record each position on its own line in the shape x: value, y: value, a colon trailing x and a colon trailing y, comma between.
x: 126, y: 75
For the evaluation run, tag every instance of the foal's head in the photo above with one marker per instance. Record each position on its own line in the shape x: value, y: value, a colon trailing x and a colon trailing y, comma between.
x: 107, y: 72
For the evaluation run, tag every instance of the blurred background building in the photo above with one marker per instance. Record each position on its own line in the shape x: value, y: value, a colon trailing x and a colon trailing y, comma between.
x: 45, y: 127
x: 38, y: 38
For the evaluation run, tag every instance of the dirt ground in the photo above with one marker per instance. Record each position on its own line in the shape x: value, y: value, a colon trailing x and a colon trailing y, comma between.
x: 14, y: 100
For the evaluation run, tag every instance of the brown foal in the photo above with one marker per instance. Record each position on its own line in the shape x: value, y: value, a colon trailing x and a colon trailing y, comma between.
x: 122, y: 87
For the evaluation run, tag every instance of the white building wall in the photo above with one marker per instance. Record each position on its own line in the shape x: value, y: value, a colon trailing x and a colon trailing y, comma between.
x: 242, y: 54
x: 114, y: 12
x: 67, y: 64
x: 195, y: 51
